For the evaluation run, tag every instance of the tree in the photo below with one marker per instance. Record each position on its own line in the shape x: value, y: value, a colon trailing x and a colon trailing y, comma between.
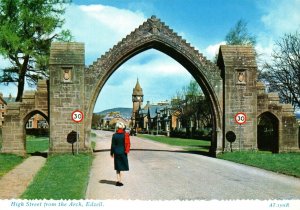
x: 96, y: 120
x: 191, y: 105
x: 282, y: 74
x: 239, y: 35
x: 27, y: 28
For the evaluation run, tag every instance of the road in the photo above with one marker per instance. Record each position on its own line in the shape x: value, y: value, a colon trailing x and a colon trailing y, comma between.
x: 163, y: 172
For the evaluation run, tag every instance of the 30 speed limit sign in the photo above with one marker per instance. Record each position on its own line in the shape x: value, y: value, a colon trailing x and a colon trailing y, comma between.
x: 77, y: 116
x: 240, y: 118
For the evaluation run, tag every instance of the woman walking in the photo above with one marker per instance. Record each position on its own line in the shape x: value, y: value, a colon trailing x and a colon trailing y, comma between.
x: 118, y: 152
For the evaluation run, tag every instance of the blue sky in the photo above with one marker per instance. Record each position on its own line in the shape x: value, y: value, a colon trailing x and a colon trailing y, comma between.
x: 203, y: 23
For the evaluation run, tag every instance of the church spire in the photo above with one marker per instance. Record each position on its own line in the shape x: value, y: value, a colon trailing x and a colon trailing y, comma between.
x: 137, y: 90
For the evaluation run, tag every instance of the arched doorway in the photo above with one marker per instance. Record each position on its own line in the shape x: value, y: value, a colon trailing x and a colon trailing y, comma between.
x: 268, y: 132
x: 36, y: 133
x: 154, y: 34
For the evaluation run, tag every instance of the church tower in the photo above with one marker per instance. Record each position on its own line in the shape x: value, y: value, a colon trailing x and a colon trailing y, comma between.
x: 137, y: 100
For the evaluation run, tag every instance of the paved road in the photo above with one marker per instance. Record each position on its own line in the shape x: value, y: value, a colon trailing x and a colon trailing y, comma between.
x: 162, y: 172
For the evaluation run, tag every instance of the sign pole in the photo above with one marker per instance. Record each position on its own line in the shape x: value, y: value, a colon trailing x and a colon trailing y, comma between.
x: 77, y: 139
x: 240, y: 118
x: 77, y: 117
x: 240, y: 137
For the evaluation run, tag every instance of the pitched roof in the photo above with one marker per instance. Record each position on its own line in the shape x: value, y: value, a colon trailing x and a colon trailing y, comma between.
x: 137, y: 90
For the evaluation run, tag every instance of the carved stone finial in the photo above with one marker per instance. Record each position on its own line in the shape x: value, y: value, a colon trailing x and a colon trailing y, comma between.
x: 153, y: 17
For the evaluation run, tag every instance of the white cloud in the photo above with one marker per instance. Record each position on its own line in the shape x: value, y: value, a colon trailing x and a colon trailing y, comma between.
x: 155, y: 64
x: 212, y: 50
x: 282, y: 16
x: 100, y: 27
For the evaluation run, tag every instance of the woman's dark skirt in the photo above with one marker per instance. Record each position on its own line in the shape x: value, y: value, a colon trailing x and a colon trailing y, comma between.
x: 121, y: 162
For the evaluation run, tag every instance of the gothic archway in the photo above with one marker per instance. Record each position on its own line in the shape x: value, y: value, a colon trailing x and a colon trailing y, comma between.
x: 38, y: 145
x: 268, y: 132
x: 154, y: 34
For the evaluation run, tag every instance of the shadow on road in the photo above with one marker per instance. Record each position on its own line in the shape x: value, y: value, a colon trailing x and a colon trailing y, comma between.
x: 158, y: 150
x: 42, y: 154
x: 104, y: 181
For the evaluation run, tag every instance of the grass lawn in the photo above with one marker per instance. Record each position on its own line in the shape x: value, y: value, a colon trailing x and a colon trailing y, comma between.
x: 8, y: 162
x: 192, y: 145
x: 63, y: 177
x: 36, y: 144
x: 1, y: 138
x: 285, y: 163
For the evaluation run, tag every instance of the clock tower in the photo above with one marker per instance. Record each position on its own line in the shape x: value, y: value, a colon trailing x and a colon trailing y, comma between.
x: 137, y: 100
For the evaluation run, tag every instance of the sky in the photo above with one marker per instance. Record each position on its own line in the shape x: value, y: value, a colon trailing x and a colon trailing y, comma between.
x: 100, y: 24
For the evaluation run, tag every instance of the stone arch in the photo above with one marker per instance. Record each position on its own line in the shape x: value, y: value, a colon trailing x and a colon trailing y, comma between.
x: 18, y: 114
x: 268, y: 132
x: 287, y: 123
x: 27, y: 116
x: 154, y: 34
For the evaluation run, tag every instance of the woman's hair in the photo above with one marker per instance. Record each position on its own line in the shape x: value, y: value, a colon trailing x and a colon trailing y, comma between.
x: 120, y: 125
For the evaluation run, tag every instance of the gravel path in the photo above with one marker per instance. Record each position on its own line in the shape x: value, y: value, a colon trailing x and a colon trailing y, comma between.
x: 162, y: 172
x: 15, y: 182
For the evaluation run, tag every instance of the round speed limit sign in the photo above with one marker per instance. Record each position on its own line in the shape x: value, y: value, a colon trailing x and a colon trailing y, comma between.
x: 240, y: 118
x: 77, y: 116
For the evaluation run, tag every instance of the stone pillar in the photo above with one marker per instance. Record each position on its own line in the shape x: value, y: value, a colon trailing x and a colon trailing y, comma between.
x: 239, y: 73
x: 288, y: 130
x: 66, y: 94
x: 13, y: 131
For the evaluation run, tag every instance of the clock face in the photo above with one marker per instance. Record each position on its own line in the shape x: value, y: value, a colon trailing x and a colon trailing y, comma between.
x: 138, y: 97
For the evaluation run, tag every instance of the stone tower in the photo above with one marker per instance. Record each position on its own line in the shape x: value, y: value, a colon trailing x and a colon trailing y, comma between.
x: 137, y: 100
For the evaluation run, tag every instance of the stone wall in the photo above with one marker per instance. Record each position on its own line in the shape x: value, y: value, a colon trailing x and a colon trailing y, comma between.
x: 18, y: 113
x: 288, y: 126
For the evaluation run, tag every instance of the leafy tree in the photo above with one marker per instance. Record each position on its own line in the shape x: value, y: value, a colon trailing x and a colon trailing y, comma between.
x: 191, y: 104
x: 239, y: 35
x: 27, y: 28
x: 96, y: 120
x: 282, y: 74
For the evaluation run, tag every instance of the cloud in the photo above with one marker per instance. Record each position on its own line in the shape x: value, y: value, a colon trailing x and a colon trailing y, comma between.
x: 212, y: 50
x: 279, y: 18
x: 100, y: 27
x: 282, y: 16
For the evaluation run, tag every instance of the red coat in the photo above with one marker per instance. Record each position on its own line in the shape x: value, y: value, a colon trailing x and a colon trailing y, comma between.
x: 126, y: 141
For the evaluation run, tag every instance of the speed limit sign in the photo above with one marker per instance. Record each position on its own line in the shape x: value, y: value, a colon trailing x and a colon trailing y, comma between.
x: 77, y: 116
x: 240, y: 118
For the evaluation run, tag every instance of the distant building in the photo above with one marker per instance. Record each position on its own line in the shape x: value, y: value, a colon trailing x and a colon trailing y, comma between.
x: 3, y: 107
x: 37, y: 121
x: 112, y: 118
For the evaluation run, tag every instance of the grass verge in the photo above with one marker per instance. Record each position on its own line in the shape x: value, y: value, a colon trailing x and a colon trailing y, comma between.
x: 191, y: 145
x: 285, y: 163
x: 8, y: 162
x: 63, y: 177
x: 36, y: 144
x: 0, y: 138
